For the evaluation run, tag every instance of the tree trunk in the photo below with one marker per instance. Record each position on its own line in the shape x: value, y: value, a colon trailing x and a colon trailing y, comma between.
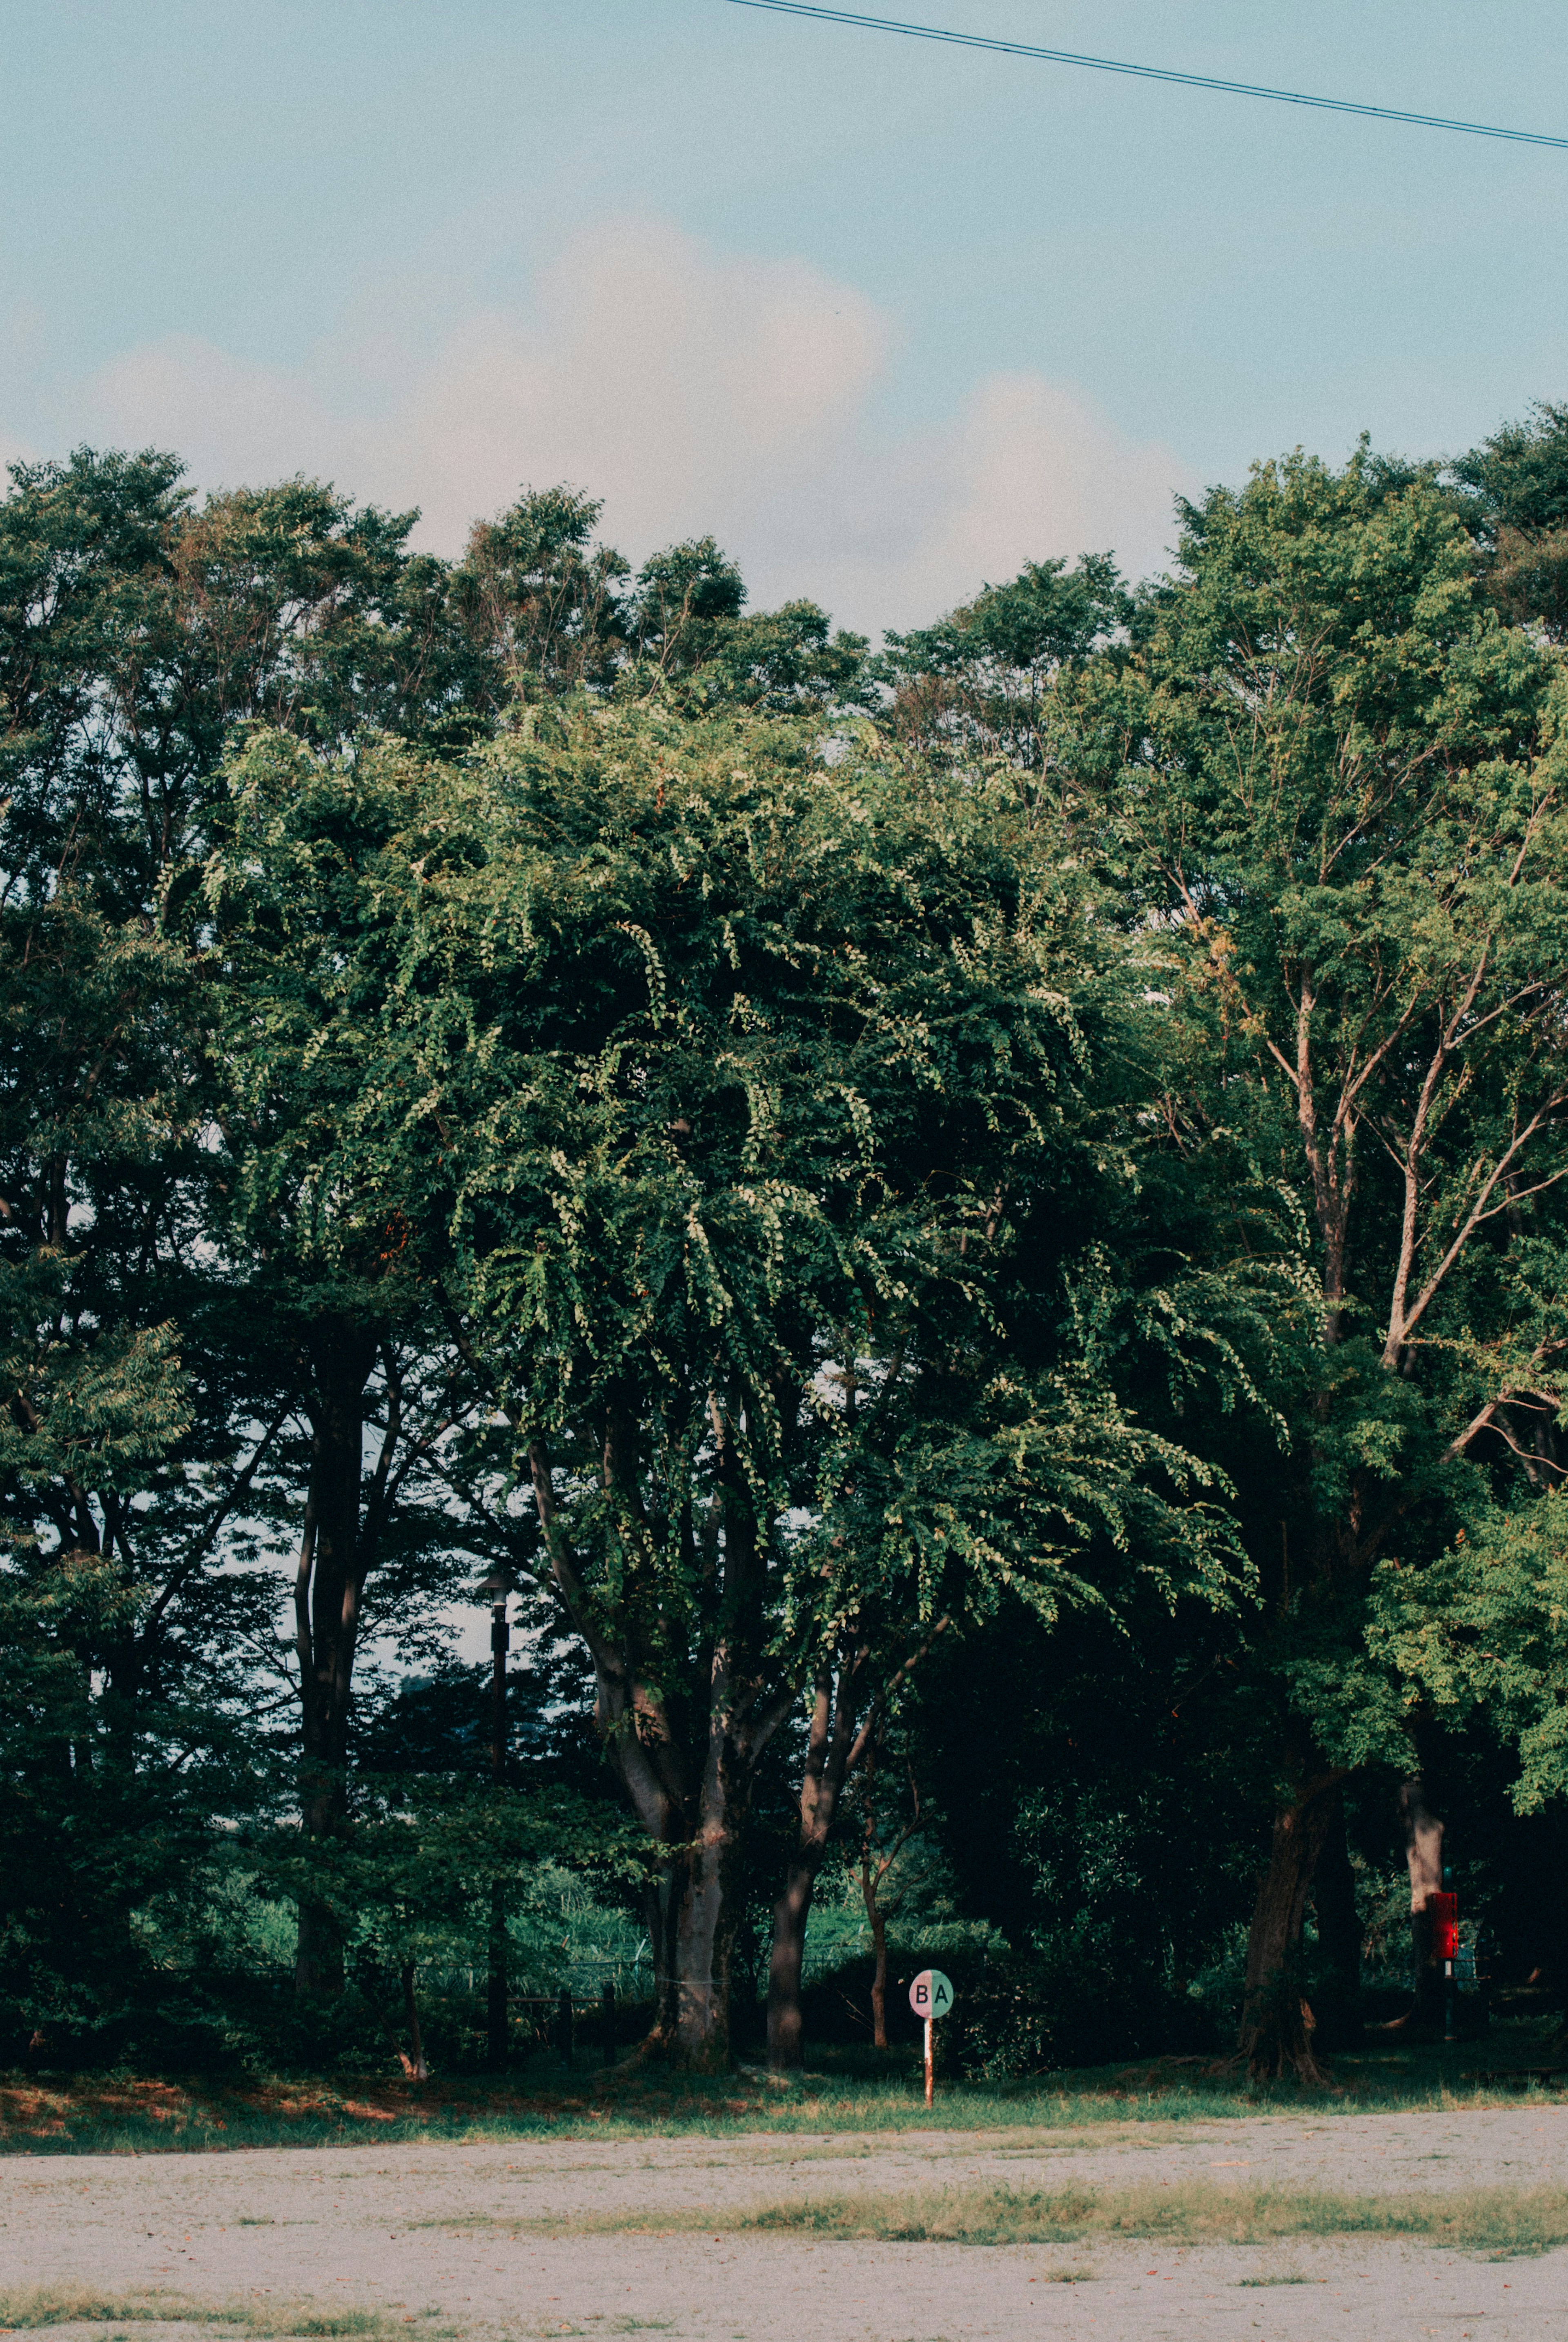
x: 695, y: 1912
x: 832, y: 1746
x: 879, y: 1980
x: 326, y: 1621
x: 692, y: 1948
x: 835, y: 1749
x: 1339, y: 1935
x: 786, y: 2030
x: 1277, y: 2022
x: 414, y: 2065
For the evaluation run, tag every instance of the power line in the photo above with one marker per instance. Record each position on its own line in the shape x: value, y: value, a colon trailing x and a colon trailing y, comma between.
x: 1146, y: 73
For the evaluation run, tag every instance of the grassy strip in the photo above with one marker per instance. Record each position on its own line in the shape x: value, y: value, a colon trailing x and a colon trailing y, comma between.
x: 28, y: 2308
x: 1499, y: 2220
x: 854, y: 2092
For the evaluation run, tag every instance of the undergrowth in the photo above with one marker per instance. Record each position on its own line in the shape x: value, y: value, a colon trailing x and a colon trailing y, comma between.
x: 851, y: 2092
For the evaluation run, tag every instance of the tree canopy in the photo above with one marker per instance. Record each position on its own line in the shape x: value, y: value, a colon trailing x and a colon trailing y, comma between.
x: 899, y: 1203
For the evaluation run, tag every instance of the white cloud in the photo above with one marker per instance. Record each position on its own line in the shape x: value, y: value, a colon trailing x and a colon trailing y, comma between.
x: 13, y: 450
x: 693, y: 391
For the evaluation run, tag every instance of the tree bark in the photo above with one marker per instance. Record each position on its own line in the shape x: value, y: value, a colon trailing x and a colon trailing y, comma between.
x: 1277, y: 2022
x: 834, y: 1748
x: 876, y: 1912
x: 830, y: 1750
x: 1339, y: 1933
x: 327, y: 1590
x: 786, y: 2027
x: 702, y: 1910
x: 414, y: 2065
x: 698, y: 1819
x: 879, y: 1979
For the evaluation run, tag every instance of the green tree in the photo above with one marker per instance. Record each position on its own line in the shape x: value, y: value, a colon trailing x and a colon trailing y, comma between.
x: 138, y: 628
x: 137, y: 632
x: 1337, y: 796
x: 980, y: 683
x: 331, y: 1281
x: 737, y: 1071
x: 1516, y: 502
x: 126, y: 1448
x: 545, y: 601
x: 1480, y: 1634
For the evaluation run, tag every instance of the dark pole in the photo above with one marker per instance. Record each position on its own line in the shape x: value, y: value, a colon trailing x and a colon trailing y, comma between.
x: 495, y: 2012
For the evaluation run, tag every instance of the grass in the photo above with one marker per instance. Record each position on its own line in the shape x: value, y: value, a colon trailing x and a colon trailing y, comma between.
x: 850, y: 2091
x: 1496, y: 2220
x: 26, y: 2308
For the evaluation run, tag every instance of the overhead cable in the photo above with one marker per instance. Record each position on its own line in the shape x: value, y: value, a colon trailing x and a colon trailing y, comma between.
x: 1146, y: 73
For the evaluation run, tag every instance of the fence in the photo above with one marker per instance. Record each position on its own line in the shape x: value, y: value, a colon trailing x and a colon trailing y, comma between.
x: 568, y: 2025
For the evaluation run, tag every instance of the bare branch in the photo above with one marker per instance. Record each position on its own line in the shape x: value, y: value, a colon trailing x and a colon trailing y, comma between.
x: 1401, y: 1323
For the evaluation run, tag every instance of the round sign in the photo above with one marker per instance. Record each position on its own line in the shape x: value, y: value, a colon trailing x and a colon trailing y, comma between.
x: 931, y: 1994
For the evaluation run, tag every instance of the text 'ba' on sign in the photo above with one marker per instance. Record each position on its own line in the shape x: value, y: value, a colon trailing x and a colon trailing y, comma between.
x: 931, y: 1994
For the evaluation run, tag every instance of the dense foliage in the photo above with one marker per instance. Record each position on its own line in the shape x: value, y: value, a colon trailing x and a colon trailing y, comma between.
x: 972, y: 1234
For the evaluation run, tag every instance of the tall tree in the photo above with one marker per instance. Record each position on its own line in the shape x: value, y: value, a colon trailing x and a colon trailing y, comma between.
x: 546, y: 601
x: 982, y: 682
x: 733, y: 1068
x: 331, y: 1282
x: 1338, y: 795
x: 1516, y: 502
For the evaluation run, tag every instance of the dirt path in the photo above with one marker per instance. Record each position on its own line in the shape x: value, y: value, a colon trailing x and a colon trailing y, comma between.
x: 411, y: 2229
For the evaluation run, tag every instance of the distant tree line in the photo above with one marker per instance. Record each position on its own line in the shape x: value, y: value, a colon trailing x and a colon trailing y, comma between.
x: 985, y: 1215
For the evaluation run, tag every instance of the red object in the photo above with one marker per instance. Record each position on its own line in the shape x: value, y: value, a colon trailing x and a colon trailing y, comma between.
x: 1443, y: 1912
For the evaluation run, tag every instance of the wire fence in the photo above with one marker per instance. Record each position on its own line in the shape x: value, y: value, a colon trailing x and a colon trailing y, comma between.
x: 568, y: 2025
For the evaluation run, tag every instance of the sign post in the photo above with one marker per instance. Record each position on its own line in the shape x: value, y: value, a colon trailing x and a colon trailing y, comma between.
x: 929, y: 1997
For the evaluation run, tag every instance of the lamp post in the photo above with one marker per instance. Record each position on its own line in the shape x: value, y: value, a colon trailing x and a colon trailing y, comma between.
x: 498, y: 1585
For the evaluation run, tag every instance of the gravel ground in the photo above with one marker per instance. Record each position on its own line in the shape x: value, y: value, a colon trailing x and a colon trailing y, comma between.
x: 375, y: 2228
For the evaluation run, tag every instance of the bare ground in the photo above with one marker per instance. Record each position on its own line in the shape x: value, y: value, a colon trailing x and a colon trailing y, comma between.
x: 416, y: 2231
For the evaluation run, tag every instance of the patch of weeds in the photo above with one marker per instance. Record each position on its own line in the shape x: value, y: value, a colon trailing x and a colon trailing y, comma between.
x: 29, y: 2309
x: 1499, y: 2220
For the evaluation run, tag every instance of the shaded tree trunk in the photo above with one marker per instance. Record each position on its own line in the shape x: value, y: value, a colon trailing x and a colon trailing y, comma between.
x: 414, y: 2065
x: 693, y: 1913
x: 786, y: 2028
x: 871, y: 1875
x: 834, y: 1748
x: 831, y: 1748
x: 1277, y: 2021
x: 1339, y: 1935
x: 327, y: 1589
x: 879, y: 1979
x: 696, y: 1907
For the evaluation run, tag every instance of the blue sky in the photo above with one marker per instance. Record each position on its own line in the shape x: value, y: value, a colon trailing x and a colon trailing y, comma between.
x: 888, y: 319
